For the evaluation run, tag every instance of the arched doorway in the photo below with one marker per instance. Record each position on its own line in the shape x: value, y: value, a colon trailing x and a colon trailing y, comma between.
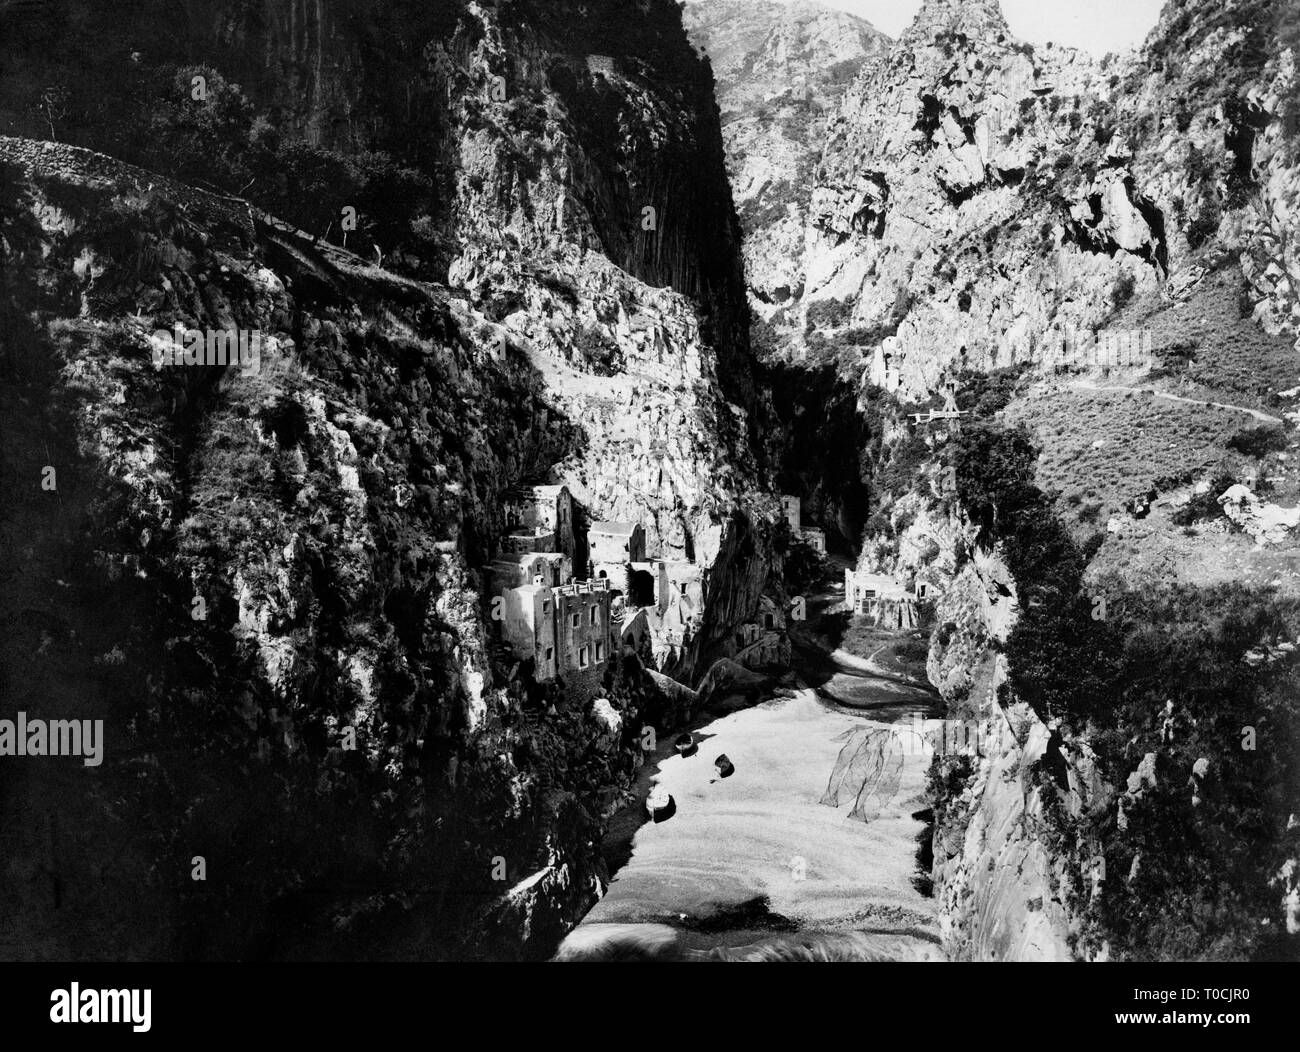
x: 641, y: 588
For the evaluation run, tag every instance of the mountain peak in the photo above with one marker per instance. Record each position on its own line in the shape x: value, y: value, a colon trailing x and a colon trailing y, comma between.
x: 974, y: 18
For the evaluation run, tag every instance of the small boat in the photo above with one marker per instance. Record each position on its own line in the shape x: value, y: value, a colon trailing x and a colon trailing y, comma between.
x: 725, y: 767
x: 660, y: 804
x: 685, y: 745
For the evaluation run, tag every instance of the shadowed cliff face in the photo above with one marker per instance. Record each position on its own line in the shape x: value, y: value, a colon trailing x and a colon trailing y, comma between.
x: 602, y: 111
x: 330, y: 508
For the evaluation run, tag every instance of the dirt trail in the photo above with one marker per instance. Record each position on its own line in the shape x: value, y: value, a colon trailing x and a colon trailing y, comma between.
x: 1264, y: 418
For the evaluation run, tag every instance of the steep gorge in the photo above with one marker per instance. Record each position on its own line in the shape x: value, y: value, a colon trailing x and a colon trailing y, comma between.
x: 545, y: 283
x: 979, y: 203
x: 298, y: 675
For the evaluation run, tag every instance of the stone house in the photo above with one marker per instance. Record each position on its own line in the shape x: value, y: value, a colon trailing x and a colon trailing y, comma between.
x: 528, y: 627
x: 684, y: 579
x: 583, y: 629
x: 616, y: 551
x: 523, y: 568
x: 648, y: 583
x: 617, y: 543
x: 636, y: 635
x: 566, y: 631
x: 541, y: 509
x: 881, y: 597
x: 815, y: 538
x: 790, y: 508
x: 525, y: 540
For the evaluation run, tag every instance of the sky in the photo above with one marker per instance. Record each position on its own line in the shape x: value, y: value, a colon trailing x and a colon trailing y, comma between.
x: 1097, y: 26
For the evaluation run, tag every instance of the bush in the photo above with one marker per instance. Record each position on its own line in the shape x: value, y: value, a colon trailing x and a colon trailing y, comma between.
x: 1122, y: 292
x: 1204, y: 505
x: 829, y: 314
x: 994, y: 467
x: 1260, y: 441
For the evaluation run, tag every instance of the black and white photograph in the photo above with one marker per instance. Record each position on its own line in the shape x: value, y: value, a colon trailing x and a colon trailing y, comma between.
x: 566, y: 482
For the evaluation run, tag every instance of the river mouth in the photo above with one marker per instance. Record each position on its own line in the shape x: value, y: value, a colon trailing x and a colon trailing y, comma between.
x: 816, y: 848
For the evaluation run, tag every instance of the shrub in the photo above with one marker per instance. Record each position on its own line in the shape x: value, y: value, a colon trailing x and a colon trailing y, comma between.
x: 1260, y: 441
x: 1122, y: 292
x: 1204, y: 505
x: 829, y: 314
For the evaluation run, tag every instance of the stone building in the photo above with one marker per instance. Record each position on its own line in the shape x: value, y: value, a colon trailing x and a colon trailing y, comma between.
x: 527, y: 540
x: 566, y: 631
x: 528, y: 626
x: 635, y: 634
x: 648, y: 583
x: 762, y: 642
x: 617, y: 543
x: 583, y: 629
x: 790, y: 508
x: 539, y: 510
x: 881, y: 597
x: 815, y: 538
x: 616, y: 551
x: 523, y: 568
x: 684, y: 579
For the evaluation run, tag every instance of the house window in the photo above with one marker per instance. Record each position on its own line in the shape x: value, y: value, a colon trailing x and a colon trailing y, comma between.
x: 546, y: 606
x: 583, y: 659
x: 577, y: 620
x: 549, y: 651
x: 767, y: 621
x: 593, y: 615
x: 600, y: 651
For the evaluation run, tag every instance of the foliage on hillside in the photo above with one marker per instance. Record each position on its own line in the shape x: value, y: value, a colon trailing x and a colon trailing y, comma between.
x: 1164, y: 674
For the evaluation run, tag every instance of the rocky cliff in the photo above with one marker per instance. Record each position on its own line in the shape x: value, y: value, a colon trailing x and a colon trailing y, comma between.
x: 511, y: 257
x: 983, y: 209
x: 782, y: 70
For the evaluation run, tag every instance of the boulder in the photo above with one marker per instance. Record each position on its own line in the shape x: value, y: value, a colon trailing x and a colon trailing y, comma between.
x: 610, y: 723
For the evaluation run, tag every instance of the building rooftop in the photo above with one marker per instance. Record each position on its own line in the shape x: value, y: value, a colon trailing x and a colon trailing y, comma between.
x: 539, y: 490
x: 616, y: 529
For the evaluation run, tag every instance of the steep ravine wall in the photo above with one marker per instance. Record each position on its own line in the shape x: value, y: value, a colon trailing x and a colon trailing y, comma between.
x: 977, y: 198
x: 994, y: 870
x: 332, y: 509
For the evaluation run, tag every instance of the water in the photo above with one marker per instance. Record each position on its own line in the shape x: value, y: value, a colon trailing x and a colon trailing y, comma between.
x: 755, y: 866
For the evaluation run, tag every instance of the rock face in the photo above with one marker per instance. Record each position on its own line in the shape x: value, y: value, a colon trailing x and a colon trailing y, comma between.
x: 781, y: 71
x: 1266, y: 523
x: 300, y: 541
x: 978, y: 204
x: 994, y: 871
x: 979, y: 196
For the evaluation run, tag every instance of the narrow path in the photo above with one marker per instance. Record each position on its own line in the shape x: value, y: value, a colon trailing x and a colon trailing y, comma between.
x: 1083, y: 385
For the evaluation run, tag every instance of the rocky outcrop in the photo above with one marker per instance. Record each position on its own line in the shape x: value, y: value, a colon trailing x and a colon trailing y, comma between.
x: 781, y: 70
x: 299, y: 541
x: 995, y: 872
x: 978, y: 201
x: 1265, y: 523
